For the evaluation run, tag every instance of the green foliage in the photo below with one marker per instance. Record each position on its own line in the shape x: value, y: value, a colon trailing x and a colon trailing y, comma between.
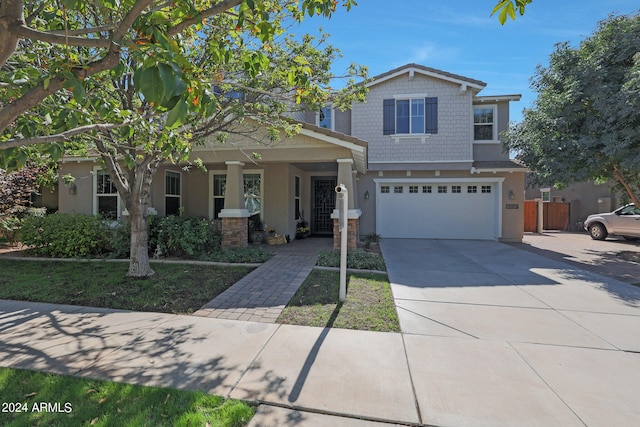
x: 63, y: 235
x: 585, y: 123
x: 357, y: 258
x: 508, y: 8
x: 185, y: 236
x: 249, y: 255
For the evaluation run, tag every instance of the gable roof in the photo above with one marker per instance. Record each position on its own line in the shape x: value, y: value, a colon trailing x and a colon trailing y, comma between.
x: 412, y: 69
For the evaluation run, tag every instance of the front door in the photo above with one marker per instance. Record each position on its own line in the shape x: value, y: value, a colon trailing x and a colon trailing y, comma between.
x: 324, y: 202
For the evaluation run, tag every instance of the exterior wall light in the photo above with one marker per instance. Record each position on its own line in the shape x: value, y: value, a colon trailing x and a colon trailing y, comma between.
x: 511, y: 195
x: 366, y: 195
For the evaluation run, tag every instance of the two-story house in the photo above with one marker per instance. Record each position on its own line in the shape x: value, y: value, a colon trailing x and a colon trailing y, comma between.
x: 420, y: 158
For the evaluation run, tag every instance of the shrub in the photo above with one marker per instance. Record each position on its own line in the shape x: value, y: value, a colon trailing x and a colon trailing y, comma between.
x: 184, y: 236
x: 63, y: 235
x: 357, y: 258
x: 245, y: 255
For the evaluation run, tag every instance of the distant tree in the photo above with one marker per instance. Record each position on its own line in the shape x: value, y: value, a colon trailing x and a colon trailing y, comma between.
x: 585, y: 122
x: 141, y: 82
x: 16, y: 190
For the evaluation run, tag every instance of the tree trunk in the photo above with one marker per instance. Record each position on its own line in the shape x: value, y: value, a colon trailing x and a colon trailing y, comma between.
x: 139, y: 259
x: 632, y: 195
x: 137, y: 206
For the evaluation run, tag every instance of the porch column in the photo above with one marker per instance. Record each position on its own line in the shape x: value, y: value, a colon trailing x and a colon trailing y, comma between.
x: 235, y: 233
x: 346, y: 178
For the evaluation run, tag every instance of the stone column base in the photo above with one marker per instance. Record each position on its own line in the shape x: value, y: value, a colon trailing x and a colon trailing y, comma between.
x: 235, y: 233
x: 353, y: 233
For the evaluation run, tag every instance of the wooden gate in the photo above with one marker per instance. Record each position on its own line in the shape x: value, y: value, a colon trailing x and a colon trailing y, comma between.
x: 530, y: 216
x: 556, y: 216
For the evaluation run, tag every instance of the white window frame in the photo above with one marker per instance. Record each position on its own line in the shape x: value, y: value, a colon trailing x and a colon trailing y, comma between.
x: 494, y: 139
x: 410, y: 98
x: 332, y: 117
x: 94, y: 190
x: 297, y: 196
x: 178, y: 196
x: 545, y: 194
x: 244, y: 172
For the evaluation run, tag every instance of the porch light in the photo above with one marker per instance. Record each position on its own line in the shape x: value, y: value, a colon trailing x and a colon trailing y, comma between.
x: 73, y: 189
x: 511, y: 195
x: 366, y: 195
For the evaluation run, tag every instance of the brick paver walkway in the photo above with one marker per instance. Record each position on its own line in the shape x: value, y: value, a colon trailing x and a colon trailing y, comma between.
x: 262, y: 294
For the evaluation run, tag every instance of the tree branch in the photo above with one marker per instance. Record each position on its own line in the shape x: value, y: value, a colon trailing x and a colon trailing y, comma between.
x: 215, y: 10
x: 60, y: 137
x: 28, y: 33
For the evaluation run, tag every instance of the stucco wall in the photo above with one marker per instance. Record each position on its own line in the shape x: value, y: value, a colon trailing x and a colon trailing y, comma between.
x: 82, y: 201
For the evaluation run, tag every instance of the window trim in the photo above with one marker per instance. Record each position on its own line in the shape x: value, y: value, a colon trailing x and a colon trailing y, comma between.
x: 94, y: 190
x: 297, y: 196
x: 333, y: 118
x: 244, y: 172
x: 178, y: 196
x: 495, y: 139
x: 547, y: 192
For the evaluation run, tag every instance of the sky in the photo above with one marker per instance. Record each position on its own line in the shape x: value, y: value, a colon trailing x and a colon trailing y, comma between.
x: 460, y: 37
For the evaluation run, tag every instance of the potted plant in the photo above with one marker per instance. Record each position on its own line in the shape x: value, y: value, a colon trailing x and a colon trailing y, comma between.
x: 256, y: 232
x: 302, y: 228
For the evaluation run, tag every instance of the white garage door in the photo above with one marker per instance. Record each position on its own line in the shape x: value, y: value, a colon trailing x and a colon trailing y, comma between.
x: 438, y: 210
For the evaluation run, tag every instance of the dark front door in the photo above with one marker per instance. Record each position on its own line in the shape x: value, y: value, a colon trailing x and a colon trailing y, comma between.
x: 324, y: 202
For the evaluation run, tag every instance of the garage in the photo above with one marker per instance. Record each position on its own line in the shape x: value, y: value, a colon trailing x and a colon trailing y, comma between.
x: 439, y: 208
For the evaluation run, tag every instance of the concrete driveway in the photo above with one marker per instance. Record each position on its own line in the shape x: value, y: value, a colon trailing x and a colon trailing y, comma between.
x: 534, y: 339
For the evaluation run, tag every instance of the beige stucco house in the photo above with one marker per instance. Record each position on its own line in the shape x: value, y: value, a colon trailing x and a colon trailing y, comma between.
x: 420, y: 158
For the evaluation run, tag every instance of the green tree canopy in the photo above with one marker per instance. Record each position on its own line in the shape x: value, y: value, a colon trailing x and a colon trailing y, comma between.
x: 585, y: 122
x: 139, y: 82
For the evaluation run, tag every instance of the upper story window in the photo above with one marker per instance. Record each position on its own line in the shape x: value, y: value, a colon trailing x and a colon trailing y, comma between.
x: 409, y: 115
x: 484, y: 123
x: 325, y: 118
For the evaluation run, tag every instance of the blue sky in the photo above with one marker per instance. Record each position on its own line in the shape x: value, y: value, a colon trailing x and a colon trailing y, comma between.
x: 460, y: 37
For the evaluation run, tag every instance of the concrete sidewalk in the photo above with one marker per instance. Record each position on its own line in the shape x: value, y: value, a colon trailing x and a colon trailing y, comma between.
x: 492, y: 336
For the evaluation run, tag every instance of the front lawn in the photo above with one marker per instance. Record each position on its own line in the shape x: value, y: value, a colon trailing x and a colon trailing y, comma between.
x: 177, y: 288
x: 39, y: 399
x: 369, y: 304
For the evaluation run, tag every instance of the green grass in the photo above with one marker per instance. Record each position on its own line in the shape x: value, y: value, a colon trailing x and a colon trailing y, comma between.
x: 176, y: 288
x: 83, y: 402
x: 358, y: 258
x: 369, y: 304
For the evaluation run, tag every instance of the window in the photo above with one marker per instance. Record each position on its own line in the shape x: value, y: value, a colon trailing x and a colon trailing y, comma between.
x: 426, y: 189
x: 413, y: 189
x: 410, y: 116
x: 472, y: 189
x: 172, y: 193
x: 106, y: 195
x: 325, y: 118
x: 296, y: 197
x: 398, y: 189
x: 442, y: 189
x: 545, y: 194
x: 456, y: 189
x: 252, y: 193
x: 484, y: 124
x: 384, y: 188
x: 486, y: 189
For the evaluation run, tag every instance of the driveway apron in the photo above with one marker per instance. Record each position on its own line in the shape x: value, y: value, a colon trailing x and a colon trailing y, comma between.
x: 497, y: 336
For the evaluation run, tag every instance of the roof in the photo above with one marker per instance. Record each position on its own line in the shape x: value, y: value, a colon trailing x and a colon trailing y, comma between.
x: 411, y: 69
x: 498, y: 166
x: 357, y: 146
x: 497, y: 98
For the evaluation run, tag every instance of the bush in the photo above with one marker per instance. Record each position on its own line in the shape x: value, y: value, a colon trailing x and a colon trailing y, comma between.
x: 357, y: 258
x: 183, y: 236
x: 63, y: 235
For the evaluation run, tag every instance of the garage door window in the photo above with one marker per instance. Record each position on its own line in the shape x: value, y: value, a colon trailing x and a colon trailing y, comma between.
x: 472, y: 189
x: 426, y: 189
x: 398, y: 189
x: 456, y: 189
x: 486, y: 189
x: 442, y: 189
x: 413, y: 189
x: 384, y: 189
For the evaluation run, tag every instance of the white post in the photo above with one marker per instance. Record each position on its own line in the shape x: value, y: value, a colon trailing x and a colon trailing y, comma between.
x: 343, y: 226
